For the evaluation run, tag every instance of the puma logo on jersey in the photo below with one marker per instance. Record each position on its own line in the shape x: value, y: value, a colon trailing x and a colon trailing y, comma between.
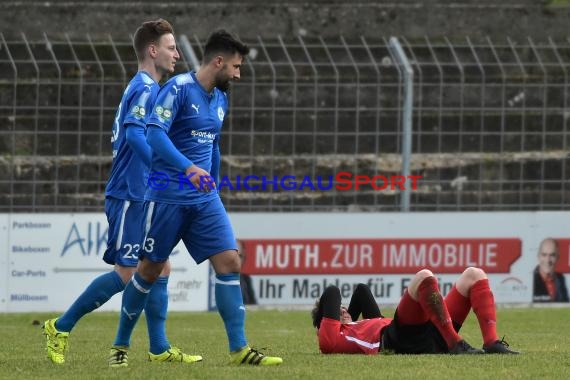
x: 176, y: 89
x: 196, y: 107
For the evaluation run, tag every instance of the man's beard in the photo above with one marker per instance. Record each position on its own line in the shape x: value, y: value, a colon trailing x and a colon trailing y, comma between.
x: 223, y: 85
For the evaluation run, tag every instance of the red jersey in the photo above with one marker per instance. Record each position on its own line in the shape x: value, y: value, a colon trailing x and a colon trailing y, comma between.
x: 360, y: 337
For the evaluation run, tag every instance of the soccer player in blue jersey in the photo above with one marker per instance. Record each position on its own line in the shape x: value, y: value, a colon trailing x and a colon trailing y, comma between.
x: 182, y: 200
x: 156, y: 52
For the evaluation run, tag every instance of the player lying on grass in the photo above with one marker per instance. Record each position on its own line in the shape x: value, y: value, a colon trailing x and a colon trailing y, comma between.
x: 424, y: 322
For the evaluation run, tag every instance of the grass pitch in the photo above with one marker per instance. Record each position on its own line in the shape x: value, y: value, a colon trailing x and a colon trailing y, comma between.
x: 542, y: 334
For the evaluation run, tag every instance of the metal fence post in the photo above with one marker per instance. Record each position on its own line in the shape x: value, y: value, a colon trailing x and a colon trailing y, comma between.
x: 189, y: 52
x: 406, y: 117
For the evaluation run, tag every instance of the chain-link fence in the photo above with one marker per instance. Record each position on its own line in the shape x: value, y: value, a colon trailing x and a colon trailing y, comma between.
x: 490, y: 122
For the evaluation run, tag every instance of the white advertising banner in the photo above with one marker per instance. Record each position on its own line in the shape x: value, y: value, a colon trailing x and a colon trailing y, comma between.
x: 47, y: 260
x: 291, y: 258
x: 52, y: 258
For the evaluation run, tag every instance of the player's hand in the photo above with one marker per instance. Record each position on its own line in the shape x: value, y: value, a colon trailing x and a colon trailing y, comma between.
x: 201, y: 179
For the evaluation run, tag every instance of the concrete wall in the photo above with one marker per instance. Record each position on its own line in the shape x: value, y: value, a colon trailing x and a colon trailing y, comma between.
x: 412, y: 18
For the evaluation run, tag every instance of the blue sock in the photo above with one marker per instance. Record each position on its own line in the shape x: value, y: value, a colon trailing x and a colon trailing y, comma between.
x: 230, y: 306
x: 96, y: 294
x: 155, y: 312
x: 134, y: 299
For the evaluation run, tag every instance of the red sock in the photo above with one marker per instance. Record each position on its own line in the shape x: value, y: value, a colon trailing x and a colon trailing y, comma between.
x: 457, y: 305
x: 432, y: 303
x: 483, y: 304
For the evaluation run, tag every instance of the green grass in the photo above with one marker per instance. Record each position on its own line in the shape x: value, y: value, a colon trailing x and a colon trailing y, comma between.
x: 542, y: 334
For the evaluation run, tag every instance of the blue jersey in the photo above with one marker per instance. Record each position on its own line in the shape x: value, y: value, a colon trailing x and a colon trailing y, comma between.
x: 129, y: 173
x: 193, y: 120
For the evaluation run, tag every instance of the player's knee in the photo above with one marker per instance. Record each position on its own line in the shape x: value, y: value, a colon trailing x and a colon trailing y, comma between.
x: 362, y: 290
x: 166, y: 269
x: 226, y: 262
x: 474, y: 274
x: 361, y: 287
x: 149, y: 270
x: 332, y: 292
x: 125, y: 272
x: 417, y: 280
x: 423, y: 274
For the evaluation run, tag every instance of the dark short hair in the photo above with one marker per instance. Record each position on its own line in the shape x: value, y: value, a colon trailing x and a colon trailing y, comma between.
x: 150, y: 32
x: 223, y: 42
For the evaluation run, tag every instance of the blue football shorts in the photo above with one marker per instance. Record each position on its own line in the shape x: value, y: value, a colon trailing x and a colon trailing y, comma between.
x: 204, y: 228
x: 126, y: 231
